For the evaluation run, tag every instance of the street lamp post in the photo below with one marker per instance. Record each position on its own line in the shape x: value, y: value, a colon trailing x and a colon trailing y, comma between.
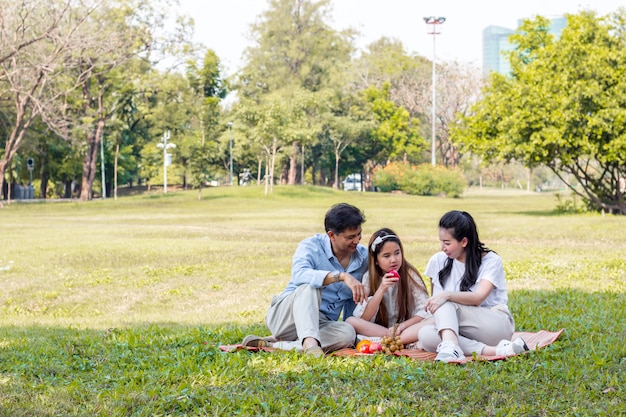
x: 432, y: 20
x: 230, y: 128
x: 166, y: 161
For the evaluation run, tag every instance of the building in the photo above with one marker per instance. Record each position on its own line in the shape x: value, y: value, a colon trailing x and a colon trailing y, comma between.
x: 496, y: 42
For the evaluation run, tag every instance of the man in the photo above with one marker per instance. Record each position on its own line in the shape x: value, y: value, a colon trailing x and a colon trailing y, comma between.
x: 326, y: 276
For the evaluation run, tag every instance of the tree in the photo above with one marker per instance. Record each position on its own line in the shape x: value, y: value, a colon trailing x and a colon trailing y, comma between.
x: 272, y: 124
x: 172, y: 106
x: 210, y: 89
x: 121, y: 31
x: 396, y: 85
x: 300, y: 57
x: 37, y: 39
x: 396, y: 130
x: 407, y: 81
x: 128, y: 127
x: 563, y: 105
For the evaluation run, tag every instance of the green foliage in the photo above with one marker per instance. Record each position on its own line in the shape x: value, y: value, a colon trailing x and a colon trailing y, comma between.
x: 563, y: 106
x: 396, y: 130
x: 294, y: 48
x: 419, y: 180
x: 292, y: 88
x: 569, y: 205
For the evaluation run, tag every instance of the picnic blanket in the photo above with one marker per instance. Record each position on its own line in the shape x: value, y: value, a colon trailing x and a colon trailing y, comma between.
x: 534, y: 340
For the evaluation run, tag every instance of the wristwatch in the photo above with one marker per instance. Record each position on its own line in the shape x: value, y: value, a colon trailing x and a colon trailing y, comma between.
x: 336, y: 276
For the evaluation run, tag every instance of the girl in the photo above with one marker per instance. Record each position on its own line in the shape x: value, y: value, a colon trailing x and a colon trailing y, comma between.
x: 469, y: 302
x: 396, y: 292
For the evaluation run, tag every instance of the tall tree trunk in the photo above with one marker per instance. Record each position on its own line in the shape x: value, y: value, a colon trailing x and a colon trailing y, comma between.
x: 9, y: 194
x: 267, y: 170
x: 91, y: 155
x: 43, y: 187
x: 67, y: 189
x: 3, y: 165
x: 89, y: 167
x: 293, y: 165
x: 273, y: 163
x: 336, y: 182
x: 313, y: 171
x: 302, y: 166
x: 202, y: 165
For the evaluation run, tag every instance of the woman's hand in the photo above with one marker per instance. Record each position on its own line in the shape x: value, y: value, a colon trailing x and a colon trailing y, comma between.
x: 436, y: 301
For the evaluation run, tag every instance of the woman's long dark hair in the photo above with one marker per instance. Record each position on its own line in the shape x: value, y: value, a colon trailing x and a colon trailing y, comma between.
x: 461, y: 225
x: 406, y: 303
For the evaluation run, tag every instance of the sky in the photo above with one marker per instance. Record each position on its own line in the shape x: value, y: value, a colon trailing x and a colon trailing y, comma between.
x: 224, y: 25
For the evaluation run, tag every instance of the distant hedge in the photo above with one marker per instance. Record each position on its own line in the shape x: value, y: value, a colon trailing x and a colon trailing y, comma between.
x: 419, y: 180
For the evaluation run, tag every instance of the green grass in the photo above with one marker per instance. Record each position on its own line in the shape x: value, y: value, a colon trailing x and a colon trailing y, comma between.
x: 116, y: 308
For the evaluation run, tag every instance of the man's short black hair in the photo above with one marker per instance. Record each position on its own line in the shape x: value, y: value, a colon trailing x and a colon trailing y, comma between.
x: 343, y: 216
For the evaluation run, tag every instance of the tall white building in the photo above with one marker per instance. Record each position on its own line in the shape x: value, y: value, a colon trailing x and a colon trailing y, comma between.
x: 496, y: 41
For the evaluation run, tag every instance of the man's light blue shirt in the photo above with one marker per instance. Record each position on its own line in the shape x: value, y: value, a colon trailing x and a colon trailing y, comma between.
x: 313, y: 260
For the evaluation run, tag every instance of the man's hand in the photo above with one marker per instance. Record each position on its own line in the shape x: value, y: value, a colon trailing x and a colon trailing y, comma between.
x: 358, y: 290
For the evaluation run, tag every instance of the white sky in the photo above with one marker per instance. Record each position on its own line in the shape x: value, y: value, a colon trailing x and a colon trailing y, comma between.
x: 224, y: 25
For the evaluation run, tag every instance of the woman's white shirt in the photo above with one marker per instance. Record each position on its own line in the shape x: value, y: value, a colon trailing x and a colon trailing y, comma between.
x: 491, y: 269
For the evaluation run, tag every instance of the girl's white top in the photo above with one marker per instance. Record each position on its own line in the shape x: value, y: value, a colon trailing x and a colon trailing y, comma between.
x: 390, y: 298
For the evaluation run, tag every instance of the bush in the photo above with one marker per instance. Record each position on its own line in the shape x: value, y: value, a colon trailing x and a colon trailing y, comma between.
x: 565, y: 205
x: 419, y: 180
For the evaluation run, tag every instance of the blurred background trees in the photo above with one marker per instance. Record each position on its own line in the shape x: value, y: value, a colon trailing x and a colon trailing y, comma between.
x: 89, y: 88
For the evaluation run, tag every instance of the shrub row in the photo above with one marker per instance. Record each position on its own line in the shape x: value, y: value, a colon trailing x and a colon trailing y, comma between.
x: 423, y: 179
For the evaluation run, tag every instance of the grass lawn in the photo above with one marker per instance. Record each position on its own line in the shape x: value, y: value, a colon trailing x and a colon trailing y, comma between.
x: 115, y: 308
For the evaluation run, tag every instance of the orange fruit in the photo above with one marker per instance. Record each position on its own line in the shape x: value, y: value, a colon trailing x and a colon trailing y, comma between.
x: 363, y: 343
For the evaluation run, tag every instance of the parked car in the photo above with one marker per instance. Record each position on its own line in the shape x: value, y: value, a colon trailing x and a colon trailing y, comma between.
x: 353, y: 182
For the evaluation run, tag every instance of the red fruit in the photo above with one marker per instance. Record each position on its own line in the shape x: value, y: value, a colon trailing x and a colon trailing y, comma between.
x: 365, y: 349
x: 394, y: 273
x: 375, y: 347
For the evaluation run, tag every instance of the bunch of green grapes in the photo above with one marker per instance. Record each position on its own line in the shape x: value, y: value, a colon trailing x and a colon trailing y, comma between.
x: 391, y: 343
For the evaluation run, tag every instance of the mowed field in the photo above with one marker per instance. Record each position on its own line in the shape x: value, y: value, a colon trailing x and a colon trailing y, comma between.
x: 154, y: 268
x: 172, y: 258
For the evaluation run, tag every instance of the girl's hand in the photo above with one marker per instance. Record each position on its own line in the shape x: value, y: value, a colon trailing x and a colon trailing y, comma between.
x: 399, y: 330
x: 390, y: 332
x: 388, y: 280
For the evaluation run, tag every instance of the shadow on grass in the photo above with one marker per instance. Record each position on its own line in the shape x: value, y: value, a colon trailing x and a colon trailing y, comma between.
x: 169, y: 369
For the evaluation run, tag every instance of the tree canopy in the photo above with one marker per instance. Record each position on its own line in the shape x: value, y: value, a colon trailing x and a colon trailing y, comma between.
x: 563, y: 106
x: 89, y: 88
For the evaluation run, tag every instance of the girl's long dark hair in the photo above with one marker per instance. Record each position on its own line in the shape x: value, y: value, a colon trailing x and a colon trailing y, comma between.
x: 461, y: 225
x: 406, y: 303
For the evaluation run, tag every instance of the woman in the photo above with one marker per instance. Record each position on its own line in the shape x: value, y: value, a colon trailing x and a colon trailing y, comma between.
x: 469, y: 302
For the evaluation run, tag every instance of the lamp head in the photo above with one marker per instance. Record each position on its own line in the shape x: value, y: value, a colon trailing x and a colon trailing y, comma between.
x: 433, y: 20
